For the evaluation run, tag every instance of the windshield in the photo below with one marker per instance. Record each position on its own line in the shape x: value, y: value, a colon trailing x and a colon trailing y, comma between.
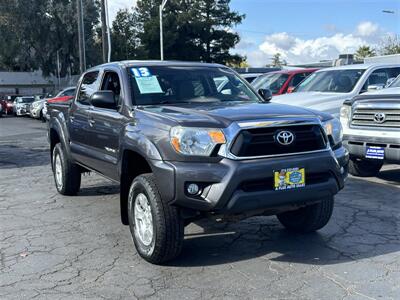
x: 395, y: 83
x: 333, y: 81
x: 25, y: 100
x: 177, y: 84
x: 272, y: 81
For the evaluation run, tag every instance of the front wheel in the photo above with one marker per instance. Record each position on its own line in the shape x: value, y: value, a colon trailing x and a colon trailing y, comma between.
x: 364, y: 167
x: 67, y: 175
x: 309, y: 218
x: 156, y: 227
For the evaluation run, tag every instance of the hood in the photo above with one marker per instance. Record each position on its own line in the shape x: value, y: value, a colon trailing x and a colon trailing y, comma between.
x: 217, y: 114
x: 387, y: 91
x: 326, y: 102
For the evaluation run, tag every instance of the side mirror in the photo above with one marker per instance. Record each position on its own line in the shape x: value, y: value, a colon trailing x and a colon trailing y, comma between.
x: 290, y: 89
x: 375, y: 87
x: 103, y: 99
x: 266, y: 94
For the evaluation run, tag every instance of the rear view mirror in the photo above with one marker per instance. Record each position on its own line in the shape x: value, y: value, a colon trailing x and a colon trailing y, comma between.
x: 266, y: 94
x: 103, y: 99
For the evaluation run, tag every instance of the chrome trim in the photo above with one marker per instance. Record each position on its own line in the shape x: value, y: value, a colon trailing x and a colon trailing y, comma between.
x: 232, y: 131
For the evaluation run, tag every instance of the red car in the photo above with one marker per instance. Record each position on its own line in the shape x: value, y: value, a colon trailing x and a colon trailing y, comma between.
x: 63, y: 96
x: 7, y: 106
x: 281, y: 82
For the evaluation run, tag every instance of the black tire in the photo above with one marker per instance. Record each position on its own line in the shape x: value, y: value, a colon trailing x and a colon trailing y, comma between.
x: 309, y: 218
x: 364, y: 167
x: 70, y: 181
x: 167, y: 224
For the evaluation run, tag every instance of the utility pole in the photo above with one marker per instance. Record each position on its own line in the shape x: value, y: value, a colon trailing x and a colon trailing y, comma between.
x: 104, y: 40
x: 81, y: 36
x: 161, y: 29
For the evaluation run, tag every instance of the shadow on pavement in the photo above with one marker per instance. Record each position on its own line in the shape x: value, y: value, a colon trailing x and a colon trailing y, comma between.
x: 364, y: 224
x: 391, y: 176
x: 16, y: 156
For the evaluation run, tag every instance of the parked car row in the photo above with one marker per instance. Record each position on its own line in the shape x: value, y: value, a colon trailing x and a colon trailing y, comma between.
x: 33, y: 106
x: 367, y: 98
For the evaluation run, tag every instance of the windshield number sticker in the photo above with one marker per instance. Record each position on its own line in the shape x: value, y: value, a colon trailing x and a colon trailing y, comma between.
x: 140, y: 72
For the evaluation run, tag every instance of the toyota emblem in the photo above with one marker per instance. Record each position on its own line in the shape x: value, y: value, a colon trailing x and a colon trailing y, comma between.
x: 379, y: 117
x: 284, y: 137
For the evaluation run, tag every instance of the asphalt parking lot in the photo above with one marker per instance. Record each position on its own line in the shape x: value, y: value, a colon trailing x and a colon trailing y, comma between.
x: 55, y: 247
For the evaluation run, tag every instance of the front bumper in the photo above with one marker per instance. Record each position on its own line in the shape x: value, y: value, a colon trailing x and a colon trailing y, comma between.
x: 357, y: 145
x: 232, y: 186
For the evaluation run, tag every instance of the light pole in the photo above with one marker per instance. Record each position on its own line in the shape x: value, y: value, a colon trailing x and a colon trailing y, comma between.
x: 161, y: 29
x: 81, y: 37
x: 105, y: 31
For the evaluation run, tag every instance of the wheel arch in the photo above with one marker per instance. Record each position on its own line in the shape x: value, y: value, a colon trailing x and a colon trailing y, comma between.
x: 133, y: 164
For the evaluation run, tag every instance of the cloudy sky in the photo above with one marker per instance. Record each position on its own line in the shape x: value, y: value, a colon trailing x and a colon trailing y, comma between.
x: 306, y: 30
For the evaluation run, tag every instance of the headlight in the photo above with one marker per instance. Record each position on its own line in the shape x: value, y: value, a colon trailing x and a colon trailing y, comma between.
x: 196, y: 141
x: 333, y: 130
x: 345, y: 111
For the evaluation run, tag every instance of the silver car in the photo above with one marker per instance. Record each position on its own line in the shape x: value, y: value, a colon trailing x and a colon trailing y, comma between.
x: 36, y: 109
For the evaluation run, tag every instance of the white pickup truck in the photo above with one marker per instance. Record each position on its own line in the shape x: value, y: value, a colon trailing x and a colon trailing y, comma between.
x: 327, y: 89
x: 371, y: 127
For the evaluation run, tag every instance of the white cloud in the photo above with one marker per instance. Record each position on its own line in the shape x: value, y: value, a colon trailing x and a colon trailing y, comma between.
x: 367, y: 29
x: 115, y: 5
x: 296, y: 50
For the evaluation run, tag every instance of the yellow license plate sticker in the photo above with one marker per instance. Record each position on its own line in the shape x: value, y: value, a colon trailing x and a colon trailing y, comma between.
x: 291, y: 178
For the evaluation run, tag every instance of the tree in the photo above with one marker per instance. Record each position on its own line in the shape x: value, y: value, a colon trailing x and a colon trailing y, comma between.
x: 45, y: 27
x: 125, y: 40
x: 391, y: 45
x: 193, y: 30
x: 276, y: 60
x: 364, y: 51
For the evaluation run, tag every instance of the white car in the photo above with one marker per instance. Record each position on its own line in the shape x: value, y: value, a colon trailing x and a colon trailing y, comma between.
x: 327, y: 89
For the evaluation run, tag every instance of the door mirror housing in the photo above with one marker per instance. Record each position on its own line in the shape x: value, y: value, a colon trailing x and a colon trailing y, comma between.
x: 290, y: 89
x: 266, y: 94
x: 375, y: 87
x: 103, y: 99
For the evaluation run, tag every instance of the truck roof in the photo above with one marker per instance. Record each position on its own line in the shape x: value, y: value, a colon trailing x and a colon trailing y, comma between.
x: 141, y: 63
x: 360, y: 67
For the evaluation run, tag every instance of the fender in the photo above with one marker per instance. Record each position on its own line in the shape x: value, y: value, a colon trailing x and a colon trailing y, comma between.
x: 58, y: 123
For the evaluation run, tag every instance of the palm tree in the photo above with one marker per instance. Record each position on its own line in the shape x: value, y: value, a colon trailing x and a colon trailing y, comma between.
x: 364, y: 51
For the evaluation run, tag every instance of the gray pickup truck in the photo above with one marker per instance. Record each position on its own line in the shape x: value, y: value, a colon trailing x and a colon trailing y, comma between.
x: 371, y: 126
x: 192, y: 140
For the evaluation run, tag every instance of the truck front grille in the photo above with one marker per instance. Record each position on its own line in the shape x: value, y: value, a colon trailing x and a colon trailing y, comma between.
x: 369, y: 117
x: 263, y: 141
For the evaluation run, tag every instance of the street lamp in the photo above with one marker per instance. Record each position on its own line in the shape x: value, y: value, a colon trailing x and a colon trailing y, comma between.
x: 161, y: 29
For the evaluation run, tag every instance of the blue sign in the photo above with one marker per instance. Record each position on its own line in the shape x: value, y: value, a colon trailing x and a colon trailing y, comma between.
x: 140, y: 72
x: 295, y: 177
x: 375, y: 152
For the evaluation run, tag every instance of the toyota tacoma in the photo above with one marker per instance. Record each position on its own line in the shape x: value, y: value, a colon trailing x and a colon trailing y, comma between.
x: 192, y: 140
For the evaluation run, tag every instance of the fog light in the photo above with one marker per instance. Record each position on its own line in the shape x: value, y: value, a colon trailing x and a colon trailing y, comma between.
x: 193, y: 189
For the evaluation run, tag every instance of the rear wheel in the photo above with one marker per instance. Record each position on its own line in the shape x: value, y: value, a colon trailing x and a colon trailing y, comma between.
x: 67, y: 175
x: 364, y: 167
x: 309, y: 218
x: 156, y: 227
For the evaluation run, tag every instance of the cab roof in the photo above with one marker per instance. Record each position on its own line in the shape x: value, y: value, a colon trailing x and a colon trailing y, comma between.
x: 153, y: 63
x: 360, y: 67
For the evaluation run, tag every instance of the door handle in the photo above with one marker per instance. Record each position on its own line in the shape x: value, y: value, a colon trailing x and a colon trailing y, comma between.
x: 91, y: 122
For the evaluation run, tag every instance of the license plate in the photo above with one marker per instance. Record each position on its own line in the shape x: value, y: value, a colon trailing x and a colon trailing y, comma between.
x: 291, y: 178
x: 375, y: 152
